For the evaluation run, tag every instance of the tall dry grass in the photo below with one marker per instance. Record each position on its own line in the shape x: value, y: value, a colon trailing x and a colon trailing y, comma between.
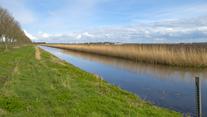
x: 167, y: 54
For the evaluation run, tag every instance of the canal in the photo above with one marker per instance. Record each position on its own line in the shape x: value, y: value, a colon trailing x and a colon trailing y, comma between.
x: 165, y: 86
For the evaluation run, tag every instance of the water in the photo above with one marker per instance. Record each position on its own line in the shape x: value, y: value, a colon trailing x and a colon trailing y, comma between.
x: 169, y: 87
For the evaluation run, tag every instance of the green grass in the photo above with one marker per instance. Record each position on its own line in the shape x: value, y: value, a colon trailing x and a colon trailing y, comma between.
x: 50, y: 87
x: 1, y: 47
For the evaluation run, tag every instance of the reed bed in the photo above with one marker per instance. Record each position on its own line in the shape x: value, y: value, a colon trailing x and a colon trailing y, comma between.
x: 184, y: 55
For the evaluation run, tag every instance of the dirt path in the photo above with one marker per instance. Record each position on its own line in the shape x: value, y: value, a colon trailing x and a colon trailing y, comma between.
x: 16, y: 69
x: 37, y: 53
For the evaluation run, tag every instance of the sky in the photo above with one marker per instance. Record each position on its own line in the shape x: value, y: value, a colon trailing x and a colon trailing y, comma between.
x: 127, y: 21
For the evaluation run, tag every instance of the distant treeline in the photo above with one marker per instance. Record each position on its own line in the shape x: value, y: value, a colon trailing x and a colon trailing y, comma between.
x: 11, y: 33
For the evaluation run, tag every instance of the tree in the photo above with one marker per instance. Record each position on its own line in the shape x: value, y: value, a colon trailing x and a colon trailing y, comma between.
x: 11, y: 33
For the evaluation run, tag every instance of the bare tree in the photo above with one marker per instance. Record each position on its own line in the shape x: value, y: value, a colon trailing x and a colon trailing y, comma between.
x: 11, y: 33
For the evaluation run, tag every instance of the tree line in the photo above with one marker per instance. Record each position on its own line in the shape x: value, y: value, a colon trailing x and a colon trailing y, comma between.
x: 11, y: 33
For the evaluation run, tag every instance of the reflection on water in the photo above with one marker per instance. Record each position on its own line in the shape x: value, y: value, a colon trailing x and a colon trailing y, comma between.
x: 141, y: 68
x: 169, y: 87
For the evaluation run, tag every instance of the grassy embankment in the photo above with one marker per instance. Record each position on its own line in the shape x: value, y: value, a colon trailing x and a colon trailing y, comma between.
x: 166, y: 54
x: 39, y: 84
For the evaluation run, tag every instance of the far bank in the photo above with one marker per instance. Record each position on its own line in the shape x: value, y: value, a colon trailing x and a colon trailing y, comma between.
x: 181, y: 55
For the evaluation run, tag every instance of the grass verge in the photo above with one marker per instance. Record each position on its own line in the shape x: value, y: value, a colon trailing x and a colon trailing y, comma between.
x: 50, y: 87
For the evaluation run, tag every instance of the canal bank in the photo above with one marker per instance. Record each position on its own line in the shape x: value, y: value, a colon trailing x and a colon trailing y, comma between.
x: 43, y: 85
x: 169, y: 87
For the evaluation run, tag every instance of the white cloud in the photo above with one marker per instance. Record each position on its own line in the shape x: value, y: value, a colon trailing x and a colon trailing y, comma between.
x: 79, y: 36
x: 45, y: 35
x: 30, y: 35
x: 193, y: 30
x: 88, y: 34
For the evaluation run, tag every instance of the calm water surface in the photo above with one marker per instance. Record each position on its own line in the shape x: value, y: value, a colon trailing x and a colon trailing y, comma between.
x: 173, y: 88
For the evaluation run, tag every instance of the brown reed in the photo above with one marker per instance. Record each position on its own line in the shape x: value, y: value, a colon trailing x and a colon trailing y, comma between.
x: 184, y: 55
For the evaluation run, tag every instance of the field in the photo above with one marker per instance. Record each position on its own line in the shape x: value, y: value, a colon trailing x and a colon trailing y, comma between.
x: 33, y: 83
x: 182, y: 55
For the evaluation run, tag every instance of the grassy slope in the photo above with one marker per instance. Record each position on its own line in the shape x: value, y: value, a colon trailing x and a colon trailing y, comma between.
x: 50, y: 87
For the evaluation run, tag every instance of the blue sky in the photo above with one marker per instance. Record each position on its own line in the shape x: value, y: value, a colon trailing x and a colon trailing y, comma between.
x: 141, y: 21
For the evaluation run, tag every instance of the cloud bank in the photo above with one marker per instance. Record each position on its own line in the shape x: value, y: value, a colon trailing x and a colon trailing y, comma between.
x: 137, y: 21
x: 185, y: 30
